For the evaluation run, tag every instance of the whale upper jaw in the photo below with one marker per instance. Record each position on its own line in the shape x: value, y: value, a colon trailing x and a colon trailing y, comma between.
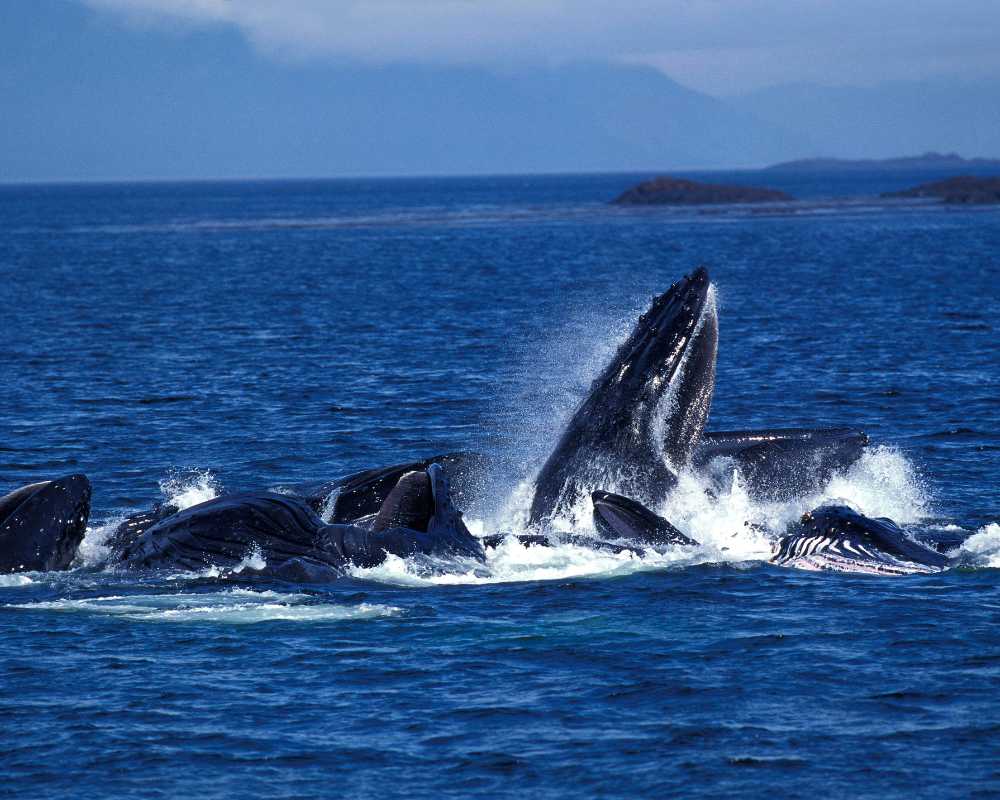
x: 656, y: 347
x: 42, y: 525
x: 645, y: 412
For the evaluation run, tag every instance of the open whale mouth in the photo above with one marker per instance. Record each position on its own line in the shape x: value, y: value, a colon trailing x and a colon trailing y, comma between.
x: 838, y: 538
x: 645, y: 412
x: 673, y: 368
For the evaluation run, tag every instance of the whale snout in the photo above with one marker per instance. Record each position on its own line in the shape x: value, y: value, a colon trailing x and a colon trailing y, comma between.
x: 620, y: 517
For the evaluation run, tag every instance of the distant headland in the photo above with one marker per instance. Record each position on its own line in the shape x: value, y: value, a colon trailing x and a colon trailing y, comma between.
x: 951, y: 162
x: 963, y: 190
x: 667, y: 191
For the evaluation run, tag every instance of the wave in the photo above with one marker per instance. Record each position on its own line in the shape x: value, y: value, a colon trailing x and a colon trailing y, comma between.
x: 17, y: 579
x: 494, y: 214
x: 982, y: 549
x: 235, y: 606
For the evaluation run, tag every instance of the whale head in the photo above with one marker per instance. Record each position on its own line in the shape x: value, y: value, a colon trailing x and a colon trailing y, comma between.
x: 840, y: 539
x: 646, y: 411
x: 42, y: 525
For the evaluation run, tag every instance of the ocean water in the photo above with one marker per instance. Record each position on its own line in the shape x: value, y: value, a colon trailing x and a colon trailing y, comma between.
x: 179, y: 340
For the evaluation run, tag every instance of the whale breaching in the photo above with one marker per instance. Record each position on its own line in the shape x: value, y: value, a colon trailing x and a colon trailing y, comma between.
x: 640, y: 427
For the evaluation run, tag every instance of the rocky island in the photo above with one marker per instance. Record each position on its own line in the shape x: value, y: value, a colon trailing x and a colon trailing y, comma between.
x: 962, y: 190
x: 669, y: 191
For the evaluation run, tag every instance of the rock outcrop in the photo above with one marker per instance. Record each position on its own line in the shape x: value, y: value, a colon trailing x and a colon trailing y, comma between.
x: 681, y: 192
x: 961, y: 190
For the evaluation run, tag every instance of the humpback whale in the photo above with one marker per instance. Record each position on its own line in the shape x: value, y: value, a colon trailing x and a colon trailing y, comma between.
x: 42, y: 524
x: 351, y: 498
x: 361, y: 494
x: 840, y: 539
x: 618, y: 517
x: 780, y: 463
x: 642, y: 422
x: 645, y: 412
x: 417, y: 517
x: 832, y: 538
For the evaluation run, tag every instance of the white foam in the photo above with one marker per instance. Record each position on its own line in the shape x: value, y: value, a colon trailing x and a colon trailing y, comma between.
x: 512, y: 561
x: 329, y: 505
x: 882, y: 483
x: 19, y: 579
x: 186, y: 490
x: 253, y: 560
x: 93, y: 549
x: 982, y: 549
x: 236, y: 606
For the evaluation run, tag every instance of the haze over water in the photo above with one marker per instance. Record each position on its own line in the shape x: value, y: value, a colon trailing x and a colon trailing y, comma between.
x: 177, y: 340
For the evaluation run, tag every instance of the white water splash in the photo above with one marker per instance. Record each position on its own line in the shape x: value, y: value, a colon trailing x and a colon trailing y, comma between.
x: 189, y: 489
x: 982, y: 549
x: 882, y: 483
x: 730, y: 525
x: 93, y: 549
x: 329, y: 505
x: 182, y: 490
x: 236, y: 606
x: 512, y: 562
x: 253, y: 560
x: 20, y: 579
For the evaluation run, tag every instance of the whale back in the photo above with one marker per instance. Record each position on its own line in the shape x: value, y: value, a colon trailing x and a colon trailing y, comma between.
x: 410, y: 504
x: 283, y: 532
x: 362, y: 494
x: 781, y: 463
x: 227, y: 531
x: 444, y: 534
x: 134, y: 525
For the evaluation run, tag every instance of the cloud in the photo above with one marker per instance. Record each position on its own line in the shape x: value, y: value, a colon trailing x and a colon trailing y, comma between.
x: 719, y: 44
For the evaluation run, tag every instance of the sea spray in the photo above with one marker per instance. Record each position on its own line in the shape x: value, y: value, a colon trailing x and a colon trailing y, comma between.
x: 181, y: 489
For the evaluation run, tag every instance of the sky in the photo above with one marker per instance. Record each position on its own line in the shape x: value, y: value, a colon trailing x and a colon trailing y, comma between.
x: 715, y: 46
x: 137, y: 89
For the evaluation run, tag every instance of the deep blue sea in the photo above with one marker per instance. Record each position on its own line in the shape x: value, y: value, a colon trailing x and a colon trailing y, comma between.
x: 179, y: 340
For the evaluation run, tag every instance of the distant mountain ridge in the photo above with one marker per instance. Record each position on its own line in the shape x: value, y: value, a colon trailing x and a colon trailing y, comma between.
x: 209, y: 105
x: 940, y: 115
x: 215, y: 108
x: 952, y: 162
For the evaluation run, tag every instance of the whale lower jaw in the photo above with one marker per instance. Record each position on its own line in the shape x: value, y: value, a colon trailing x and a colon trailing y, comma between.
x: 836, y: 561
x: 820, y: 553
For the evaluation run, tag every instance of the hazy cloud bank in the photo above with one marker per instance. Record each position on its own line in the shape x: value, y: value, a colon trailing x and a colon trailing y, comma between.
x: 716, y: 45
